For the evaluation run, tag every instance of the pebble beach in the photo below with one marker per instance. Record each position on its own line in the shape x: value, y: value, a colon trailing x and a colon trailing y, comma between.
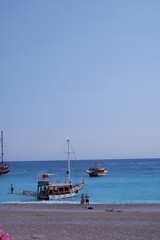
x: 74, y: 221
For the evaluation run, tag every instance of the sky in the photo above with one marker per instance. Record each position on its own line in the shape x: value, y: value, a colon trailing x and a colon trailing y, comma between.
x: 88, y: 71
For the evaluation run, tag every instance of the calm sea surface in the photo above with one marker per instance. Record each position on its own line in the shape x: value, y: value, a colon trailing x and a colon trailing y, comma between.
x: 127, y: 181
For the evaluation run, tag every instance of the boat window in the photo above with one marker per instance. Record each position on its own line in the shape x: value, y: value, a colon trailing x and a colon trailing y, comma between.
x: 56, y: 189
x: 50, y: 190
x: 66, y: 189
x: 60, y: 189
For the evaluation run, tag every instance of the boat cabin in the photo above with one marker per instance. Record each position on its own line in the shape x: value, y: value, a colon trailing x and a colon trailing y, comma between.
x: 62, y: 188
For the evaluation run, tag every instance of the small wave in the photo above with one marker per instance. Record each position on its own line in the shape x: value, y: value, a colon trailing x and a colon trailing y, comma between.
x: 77, y: 202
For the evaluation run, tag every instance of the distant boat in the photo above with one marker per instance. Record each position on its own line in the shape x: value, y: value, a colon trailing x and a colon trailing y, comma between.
x: 51, y: 190
x: 96, y: 170
x: 4, y: 168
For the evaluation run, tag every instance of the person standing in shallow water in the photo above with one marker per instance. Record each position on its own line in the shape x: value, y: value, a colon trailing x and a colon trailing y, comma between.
x: 82, y: 199
x: 12, y: 188
x: 87, y: 198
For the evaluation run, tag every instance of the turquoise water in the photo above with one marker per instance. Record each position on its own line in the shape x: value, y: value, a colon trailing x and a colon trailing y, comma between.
x: 127, y: 181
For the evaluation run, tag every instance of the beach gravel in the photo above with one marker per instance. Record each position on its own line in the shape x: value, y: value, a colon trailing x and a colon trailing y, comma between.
x: 75, y: 222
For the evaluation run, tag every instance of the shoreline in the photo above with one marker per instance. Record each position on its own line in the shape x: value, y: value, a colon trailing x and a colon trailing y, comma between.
x: 73, y: 221
x: 60, y: 203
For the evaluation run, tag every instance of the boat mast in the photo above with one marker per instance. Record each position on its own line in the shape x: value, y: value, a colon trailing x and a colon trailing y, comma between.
x: 68, y: 161
x: 2, y: 153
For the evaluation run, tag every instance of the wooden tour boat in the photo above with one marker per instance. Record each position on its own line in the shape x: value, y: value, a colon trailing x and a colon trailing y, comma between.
x: 50, y: 190
x: 96, y: 170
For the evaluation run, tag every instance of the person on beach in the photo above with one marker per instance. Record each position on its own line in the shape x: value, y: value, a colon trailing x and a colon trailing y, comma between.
x: 87, y: 199
x: 82, y: 199
x: 12, y: 188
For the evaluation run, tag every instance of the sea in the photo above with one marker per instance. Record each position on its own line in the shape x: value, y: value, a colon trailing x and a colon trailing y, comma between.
x: 127, y: 181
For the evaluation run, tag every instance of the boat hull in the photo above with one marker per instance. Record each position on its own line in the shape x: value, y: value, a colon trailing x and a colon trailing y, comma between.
x: 97, y: 175
x: 62, y: 196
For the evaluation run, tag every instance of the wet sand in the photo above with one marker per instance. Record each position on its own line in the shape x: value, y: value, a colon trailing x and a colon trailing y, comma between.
x: 75, y: 222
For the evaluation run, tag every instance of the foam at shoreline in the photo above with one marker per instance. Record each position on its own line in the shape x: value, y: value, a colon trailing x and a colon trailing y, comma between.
x: 70, y: 202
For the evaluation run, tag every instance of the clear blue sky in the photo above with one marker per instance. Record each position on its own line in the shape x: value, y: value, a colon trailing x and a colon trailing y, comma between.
x: 84, y: 70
